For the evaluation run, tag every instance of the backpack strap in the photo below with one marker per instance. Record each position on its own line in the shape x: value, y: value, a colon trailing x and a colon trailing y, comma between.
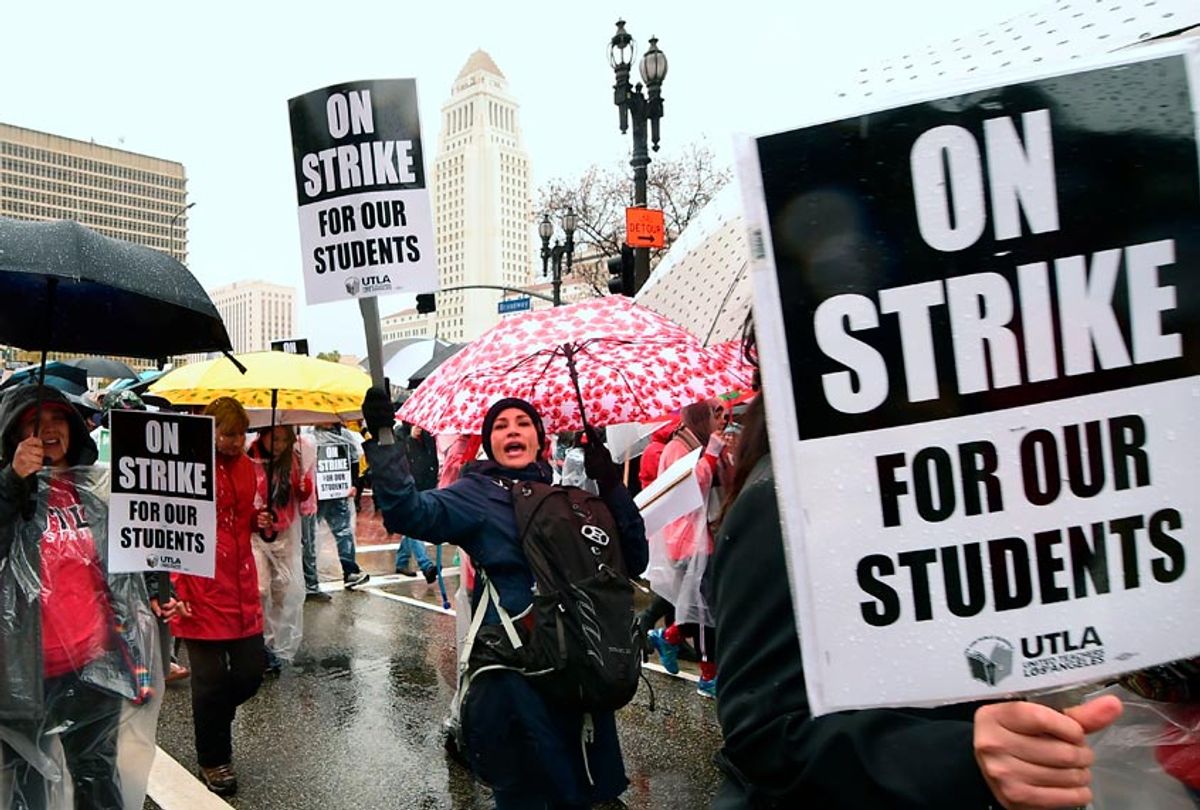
x: 490, y: 596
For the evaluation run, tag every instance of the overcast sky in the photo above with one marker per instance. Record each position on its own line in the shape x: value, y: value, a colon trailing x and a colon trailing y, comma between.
x: 207, y: 84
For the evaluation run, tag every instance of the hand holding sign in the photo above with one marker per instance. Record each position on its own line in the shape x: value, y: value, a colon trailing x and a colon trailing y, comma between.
x: 1033, y: 756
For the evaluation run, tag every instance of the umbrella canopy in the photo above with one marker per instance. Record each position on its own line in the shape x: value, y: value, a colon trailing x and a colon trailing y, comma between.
x: 65, y: 378
x: 440, y: 355
x: 703, y: 283
x: 140, y: 383
x: 331, y: 391
x: 64, y: 287
x: 103, y: 367
x: 403, y: 358
x: 632, y: 365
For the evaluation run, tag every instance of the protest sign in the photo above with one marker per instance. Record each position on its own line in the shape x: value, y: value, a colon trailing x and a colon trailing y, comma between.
x: 162, y: 514
x: 673, y: 494
x: 366, y: 225
x: 979, y: 322
x: 333, y: 471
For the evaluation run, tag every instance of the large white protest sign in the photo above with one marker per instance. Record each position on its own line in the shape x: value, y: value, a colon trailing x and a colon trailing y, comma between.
x: 979, y: 321
x: 162, y: 514
x: 366, y: 225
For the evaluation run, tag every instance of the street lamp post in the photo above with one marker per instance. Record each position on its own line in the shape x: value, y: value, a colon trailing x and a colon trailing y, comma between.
x: 643, y: 109
x: 171, y: 229
x: 554, y: 255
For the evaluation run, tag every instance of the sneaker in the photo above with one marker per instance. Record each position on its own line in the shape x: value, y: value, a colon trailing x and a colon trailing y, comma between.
x: 221, y: 780
x: 430, y: 574
x: 352, y: 581
x: 707, y: 688
x: 317, y: 596
x: 406, y: 571
x: 177, y: 672
x: 668, y: 653
x: 274, y: 665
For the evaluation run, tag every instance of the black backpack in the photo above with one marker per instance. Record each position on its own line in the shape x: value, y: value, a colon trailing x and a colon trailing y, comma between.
x: 579, y: 642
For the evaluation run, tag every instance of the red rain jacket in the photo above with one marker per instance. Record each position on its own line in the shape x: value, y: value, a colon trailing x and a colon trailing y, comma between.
x: 227, y: 607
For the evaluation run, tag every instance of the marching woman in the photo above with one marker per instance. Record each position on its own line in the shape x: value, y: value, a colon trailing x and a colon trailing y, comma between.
x: 221, y: 618
x: 679, y: 553
x: 278, y: 549
x: 533, y: 754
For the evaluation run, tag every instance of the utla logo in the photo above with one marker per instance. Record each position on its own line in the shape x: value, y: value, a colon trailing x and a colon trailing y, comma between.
x: 990, y: 659
x: 1060, y: 641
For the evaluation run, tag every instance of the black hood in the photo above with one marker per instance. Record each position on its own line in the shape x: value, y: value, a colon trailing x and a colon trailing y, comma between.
x: 14, y: 402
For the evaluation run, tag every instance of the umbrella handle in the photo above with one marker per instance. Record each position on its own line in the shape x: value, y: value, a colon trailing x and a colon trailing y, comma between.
x: 569, y: 352
x: 441, y: 581
x: 270, y: 535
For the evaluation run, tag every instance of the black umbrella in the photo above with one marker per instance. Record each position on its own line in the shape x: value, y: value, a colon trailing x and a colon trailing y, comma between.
x: 103, y: 367
x: 56, y: 374
x: 66, y: 288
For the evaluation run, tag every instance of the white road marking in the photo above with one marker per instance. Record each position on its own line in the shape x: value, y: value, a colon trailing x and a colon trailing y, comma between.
x: 174, y: 787
x: 408, y: 600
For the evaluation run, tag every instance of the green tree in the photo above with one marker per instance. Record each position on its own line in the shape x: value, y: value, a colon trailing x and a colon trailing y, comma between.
x: 680, y: 185
x: 332, y: 356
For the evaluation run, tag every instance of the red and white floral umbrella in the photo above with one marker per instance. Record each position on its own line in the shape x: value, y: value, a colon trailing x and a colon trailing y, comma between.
x: 631, y: 365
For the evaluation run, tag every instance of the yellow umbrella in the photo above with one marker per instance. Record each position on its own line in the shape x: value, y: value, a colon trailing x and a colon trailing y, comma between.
x: 310, y: 389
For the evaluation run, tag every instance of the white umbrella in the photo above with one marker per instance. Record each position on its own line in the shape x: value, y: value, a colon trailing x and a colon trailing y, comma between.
x: 703, y: 282
x: 407, y: 356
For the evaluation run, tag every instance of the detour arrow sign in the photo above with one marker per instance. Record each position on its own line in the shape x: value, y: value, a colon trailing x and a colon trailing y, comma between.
x: 644, y: 228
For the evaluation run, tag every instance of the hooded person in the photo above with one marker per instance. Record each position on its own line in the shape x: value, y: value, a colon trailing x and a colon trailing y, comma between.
x: 77, y: 645
x: 528, y: 751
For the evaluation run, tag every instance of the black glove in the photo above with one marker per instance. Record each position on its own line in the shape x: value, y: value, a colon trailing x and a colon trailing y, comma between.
x: 378, y: 412
x: 598, y: 463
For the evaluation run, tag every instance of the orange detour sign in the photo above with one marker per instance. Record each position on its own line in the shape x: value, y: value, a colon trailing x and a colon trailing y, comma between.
x: 644, y: 227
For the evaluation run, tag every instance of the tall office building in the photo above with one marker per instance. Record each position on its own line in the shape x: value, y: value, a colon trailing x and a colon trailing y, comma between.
x: 134, y: 197
x: 482, y: 199
x: 256, y: 313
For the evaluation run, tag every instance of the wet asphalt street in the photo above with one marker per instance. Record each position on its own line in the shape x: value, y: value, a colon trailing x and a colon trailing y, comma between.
x: 356, y: 721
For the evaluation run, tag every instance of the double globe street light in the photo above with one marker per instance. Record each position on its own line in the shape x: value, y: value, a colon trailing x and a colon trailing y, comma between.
x: 643, y: 109
x: 554, y: 255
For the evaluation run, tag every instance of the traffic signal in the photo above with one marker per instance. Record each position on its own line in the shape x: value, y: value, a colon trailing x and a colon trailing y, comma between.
x: 620, y: 271
x: 426, y: 303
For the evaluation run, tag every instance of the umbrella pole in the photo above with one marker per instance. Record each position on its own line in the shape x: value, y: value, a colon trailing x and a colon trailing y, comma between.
x: 51, y: 289
x: 569, y: 353
x: 30, y: 507
x: 269, y: 535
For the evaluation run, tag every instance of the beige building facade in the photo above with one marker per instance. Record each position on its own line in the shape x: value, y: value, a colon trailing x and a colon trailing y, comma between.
x: 256, y: 313
x: 407, y: 323
x: 126, y: 195
x: 482, y: 199
x: 138, y: 198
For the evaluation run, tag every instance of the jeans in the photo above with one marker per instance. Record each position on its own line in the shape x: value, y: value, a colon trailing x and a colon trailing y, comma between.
x: 85, y: 720
x: 225, y: 674
x: 336, y: 515
x: 410, y: 546
x: 308, y: 552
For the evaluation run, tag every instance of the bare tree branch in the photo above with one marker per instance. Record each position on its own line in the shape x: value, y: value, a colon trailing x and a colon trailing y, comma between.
x: 680, y: 185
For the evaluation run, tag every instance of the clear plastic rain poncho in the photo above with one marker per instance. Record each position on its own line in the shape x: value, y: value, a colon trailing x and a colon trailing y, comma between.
x: 679, y: 552
x: 81, y: 673
x: 1149, y: 758
x: 280, y: 563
